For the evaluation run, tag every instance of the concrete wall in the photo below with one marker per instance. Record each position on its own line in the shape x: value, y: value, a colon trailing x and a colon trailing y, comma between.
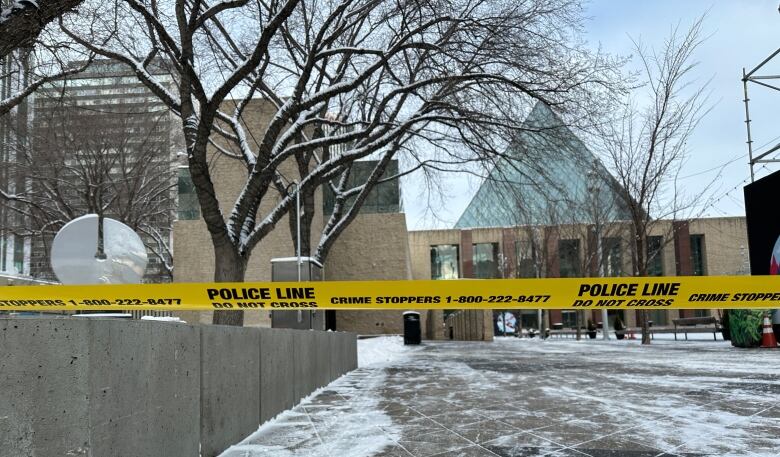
x: 101, y: 387
x: 360, y: 255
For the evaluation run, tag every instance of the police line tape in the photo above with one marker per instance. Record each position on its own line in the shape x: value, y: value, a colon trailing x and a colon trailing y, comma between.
x: 680, y: 292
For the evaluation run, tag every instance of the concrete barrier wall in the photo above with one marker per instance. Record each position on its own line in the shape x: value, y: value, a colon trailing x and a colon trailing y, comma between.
x: 103, y: 387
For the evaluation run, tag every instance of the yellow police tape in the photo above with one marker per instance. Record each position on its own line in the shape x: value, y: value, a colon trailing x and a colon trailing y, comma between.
x: 558, y: 293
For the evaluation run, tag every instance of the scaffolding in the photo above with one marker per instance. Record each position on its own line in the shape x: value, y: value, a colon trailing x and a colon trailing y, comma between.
x: 768, y: 156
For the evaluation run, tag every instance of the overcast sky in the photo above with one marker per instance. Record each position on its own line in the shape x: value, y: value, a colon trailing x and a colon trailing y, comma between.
x: 741, y: 34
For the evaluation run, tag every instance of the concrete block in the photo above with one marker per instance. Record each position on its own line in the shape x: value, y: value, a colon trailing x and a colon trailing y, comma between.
x: 119, y: 360
x: 144, y: 382
x: 43, y: 371
x: 323, y: 347
x: 230, y: 386
x: 277, y: 371
x: 304, y: 368
x: 346, y: 352
x: 353, y: 352
x: 174, y: 394
x: 336, y: 355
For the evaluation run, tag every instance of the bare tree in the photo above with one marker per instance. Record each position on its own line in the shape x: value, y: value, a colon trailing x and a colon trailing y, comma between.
x: 31, y: 55
x: 78, y: 162
x: 351, y: 79
x: 22, y: 21
x: 646, y: 145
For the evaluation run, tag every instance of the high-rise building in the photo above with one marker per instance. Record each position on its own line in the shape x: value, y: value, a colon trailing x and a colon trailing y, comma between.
x: 14, y: 127
x: 115, y: 145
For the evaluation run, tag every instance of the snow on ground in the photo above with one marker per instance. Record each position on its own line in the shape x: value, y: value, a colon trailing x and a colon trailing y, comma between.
x: 382, y: 350
x: 342, y: 419
x: 335, y: 419
x: 537, y: 397
x: 701, y: 397
x: 702, y: 354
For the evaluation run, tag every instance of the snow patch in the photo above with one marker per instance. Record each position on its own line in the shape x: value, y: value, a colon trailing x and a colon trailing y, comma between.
x: 357, y: 428
x: 382, y: 351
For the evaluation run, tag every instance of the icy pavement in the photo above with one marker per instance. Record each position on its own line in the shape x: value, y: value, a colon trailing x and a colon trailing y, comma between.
x: 525, y: 397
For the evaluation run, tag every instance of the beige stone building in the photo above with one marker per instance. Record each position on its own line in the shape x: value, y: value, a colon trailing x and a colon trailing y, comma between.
x: 373, y: 247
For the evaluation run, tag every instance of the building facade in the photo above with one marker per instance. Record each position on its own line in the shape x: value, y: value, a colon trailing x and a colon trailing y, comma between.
x: 709, y: 246
x: 15, y: 248
x: 360, y: 253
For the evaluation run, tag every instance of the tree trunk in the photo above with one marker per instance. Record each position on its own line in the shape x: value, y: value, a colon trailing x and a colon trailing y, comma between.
x: 642, y: 255
x: 229, y: 266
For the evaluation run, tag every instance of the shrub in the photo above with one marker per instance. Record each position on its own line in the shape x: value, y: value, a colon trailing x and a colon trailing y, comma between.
x: 745, y: 327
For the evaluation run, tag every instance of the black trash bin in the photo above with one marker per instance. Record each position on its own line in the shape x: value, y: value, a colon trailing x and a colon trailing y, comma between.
x: 412, y: 332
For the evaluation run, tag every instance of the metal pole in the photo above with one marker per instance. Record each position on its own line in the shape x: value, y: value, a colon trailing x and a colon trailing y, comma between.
x: 604, y: 313
x: 298, y: 227
x: 298, y: 240
x: 747, y: 122
x: 595, y: 189
x: 600, y: 260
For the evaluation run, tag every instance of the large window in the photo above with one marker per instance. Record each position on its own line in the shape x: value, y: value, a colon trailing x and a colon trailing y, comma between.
x: 655, y: 261
x: 525, y: 253
x: 569, y: 258
x: 697, y: 255
x: 486, y: 260
x: 612, y: 257
x: 444, y: 261
x: 189, y: 208
x: 384, y: 197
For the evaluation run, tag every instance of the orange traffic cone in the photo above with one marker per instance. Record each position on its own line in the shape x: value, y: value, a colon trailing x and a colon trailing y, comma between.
x: 768, y: 338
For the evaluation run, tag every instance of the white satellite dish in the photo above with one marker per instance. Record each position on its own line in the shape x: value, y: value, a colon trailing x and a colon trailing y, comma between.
x: 74, y: 259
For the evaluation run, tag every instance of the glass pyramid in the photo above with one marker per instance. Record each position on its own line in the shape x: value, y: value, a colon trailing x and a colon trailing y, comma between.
x: 548, y: 177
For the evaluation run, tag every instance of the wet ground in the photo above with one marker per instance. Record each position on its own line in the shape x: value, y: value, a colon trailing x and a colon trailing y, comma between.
x: 517, y: 398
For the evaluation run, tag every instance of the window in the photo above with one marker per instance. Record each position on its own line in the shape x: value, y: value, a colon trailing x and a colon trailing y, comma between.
x: 19, y: 254
x: 384, y: 197
x: 701, y: 313
x: 486, y: 260
x: 569, y: 258
x: 612, y: 256
x: 525, y: 253
x: 445, y: 261
x: 3, y: 246
x: 189, y: 208
x: 529, y: 318
x: 697, y: 255
x: 659, y: 317
x: 569, y: 318
x: 655, y: 265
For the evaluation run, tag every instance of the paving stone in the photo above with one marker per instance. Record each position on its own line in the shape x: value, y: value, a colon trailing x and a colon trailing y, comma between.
x: 554, y: 399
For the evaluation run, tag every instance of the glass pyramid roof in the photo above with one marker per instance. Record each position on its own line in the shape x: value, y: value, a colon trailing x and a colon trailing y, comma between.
x: 548, y: 177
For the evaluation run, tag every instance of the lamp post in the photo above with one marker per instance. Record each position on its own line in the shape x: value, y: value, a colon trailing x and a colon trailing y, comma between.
x: 298, y: 236
x: 594, y: 190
